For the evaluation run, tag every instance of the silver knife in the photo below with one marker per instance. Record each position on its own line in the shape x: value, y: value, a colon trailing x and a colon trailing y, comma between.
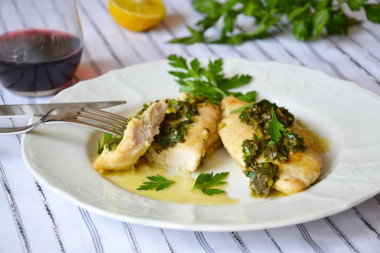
x: 42, y: 109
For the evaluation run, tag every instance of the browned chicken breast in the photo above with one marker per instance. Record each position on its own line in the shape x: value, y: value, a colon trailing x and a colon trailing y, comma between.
x: 200, y: 138
x: 137, y: 138
x: 297, y: 173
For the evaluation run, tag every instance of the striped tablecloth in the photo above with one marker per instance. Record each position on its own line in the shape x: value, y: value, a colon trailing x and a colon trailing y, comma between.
x: 33, y: 219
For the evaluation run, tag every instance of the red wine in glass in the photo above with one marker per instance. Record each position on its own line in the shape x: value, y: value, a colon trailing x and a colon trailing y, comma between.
x: 34, y: 61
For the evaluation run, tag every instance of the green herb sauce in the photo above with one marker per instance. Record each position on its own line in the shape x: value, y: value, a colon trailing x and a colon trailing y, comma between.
x: 174, y: 127
x: 259, y: 115
x: 263, y: 175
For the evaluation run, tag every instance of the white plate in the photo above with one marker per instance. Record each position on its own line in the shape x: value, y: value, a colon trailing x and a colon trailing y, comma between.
x: 59, y: 156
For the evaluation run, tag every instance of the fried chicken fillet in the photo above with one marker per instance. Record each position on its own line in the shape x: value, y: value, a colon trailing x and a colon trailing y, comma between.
x: 295, y: 175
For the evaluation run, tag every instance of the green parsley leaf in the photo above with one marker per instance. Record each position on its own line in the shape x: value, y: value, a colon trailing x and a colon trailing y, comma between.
x: 338, y: 23
x: 373, y: 12
x: 177, y: 61
x: 355, y: 5
x: 209, y: 82
x: 302, y: 30
x: 248, y: 97
x: 209, y: 7
x: 240, y: 109
x: 206, y: 180
x: 110, y: 142
x: 145, y: 106
x: 322, y: 4
x: 275, y: 128
x: 297, y: 12
x: 101, y: 145
x: 234, y: 82
x: 196, y: 37
x: 320, y: 19
x: 157, y: 183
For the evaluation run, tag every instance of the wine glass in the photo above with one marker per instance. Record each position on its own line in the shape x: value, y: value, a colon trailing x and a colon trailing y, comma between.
x: 40, y: 45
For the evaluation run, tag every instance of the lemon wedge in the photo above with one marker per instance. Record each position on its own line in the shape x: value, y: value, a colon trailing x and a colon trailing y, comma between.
x: 137, y: 15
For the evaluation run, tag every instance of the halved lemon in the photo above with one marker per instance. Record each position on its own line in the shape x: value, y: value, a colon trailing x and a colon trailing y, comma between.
x: 137, y: 15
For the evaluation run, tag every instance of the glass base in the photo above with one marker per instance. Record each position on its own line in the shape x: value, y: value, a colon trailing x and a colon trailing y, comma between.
x: 36, y: 93
x: 42, y: 93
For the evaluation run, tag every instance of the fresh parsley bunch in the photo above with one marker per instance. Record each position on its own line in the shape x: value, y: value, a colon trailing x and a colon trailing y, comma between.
x: 309, y: 19
x: 209, y: 82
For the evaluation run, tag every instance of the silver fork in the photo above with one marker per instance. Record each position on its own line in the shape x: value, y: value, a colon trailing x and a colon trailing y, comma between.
x: 83, y: 116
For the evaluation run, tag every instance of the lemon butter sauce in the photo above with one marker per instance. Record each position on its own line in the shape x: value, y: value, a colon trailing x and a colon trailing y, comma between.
x: 180, y: 192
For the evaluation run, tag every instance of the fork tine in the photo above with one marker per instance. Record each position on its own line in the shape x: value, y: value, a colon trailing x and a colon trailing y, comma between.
x: 97, y: 119
x: 107, y: 129
x: 101, y: 120
x: 109, y: 115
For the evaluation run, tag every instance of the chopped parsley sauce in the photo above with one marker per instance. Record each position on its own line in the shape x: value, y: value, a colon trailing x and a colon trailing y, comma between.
x: 174, y: 127
x: 263, y: 175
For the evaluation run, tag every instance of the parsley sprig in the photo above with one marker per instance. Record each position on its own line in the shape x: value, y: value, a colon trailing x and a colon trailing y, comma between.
x: 308, y: 19
x: 275, y: 127
x: 205, y: 181
x: 157, y: 183
x: 209, y: 82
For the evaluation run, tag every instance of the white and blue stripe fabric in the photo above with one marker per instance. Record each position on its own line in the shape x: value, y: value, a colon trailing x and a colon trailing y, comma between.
x: 34, y: 219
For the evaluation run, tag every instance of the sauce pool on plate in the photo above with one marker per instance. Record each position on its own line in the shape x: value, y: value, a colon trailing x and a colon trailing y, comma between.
x: 180, y: 192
